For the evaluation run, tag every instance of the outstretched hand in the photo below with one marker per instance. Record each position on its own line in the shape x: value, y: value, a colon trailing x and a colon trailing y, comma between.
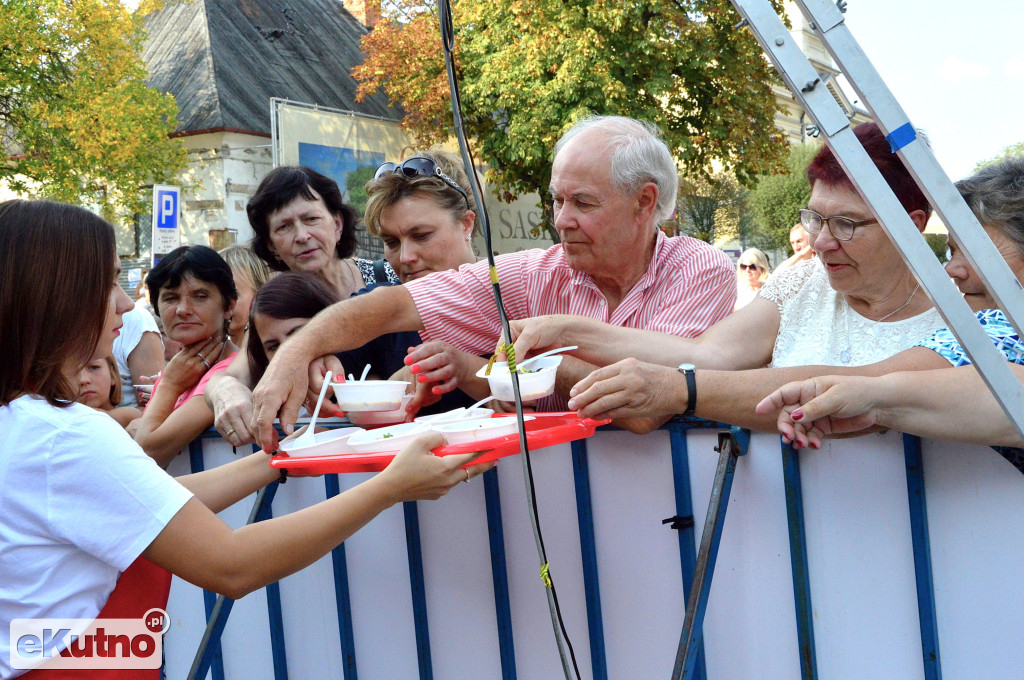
x: 417, y: 474
x: 810, y: 410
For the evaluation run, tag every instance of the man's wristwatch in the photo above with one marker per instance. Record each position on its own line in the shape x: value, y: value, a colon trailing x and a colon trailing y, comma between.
x: 689, y: 371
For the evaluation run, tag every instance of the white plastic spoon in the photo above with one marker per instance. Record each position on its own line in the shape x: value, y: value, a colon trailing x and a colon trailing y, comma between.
x: 366, y: 369
x: 547, y: 354
x: 308, y: 438
x: 460, y: 413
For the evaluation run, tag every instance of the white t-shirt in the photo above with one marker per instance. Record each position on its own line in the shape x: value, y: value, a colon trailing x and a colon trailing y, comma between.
x: 818, y: 326
x: 79, y: 502
x: 136, y: 322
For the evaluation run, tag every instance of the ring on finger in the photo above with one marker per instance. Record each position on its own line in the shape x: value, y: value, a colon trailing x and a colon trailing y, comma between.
x: 205, y: 362
x: 466, y: 480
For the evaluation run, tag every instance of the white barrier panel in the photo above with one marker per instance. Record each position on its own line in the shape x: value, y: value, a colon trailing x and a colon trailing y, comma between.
x: 860, y: 558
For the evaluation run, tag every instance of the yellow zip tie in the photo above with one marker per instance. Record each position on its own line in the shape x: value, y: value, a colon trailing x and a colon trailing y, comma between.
x: 544, y: 575
x: 510, y: 357
x: 494, y: 275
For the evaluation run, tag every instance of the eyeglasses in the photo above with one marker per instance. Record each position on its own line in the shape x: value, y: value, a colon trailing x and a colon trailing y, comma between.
x: 419, y: 167
x: 841, y: 227
x: 745, y: 267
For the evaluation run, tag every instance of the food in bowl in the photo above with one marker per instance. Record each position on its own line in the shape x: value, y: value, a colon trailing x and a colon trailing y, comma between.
x: 390, y: 438
x: 478, y: 430
x: 535, y: 381
x: 370, y: 395
x: 377, y: 418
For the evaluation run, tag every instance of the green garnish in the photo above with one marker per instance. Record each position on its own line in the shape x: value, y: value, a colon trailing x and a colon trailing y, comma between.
x: 387, y: 435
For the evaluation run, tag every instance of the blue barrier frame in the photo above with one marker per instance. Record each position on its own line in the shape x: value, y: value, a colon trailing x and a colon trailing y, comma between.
x: 499, y: 575
x: 922, y: 557
x: 588, y: 550
x: 209, y: 658
x: 798, y: 560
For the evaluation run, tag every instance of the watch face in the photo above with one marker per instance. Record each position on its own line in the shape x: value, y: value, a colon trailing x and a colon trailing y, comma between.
x: 687, y: 367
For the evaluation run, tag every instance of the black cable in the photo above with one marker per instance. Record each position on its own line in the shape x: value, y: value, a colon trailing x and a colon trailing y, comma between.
x: 448, y: 42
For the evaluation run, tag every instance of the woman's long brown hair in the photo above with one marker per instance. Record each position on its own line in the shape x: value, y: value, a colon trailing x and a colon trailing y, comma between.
x: 57, y: 265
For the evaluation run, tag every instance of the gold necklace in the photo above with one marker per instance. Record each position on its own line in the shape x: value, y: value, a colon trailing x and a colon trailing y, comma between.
x: 903, y: 306
x: 846, y: 355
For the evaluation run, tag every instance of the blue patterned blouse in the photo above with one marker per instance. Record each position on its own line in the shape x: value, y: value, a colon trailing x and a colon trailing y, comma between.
x: 999, y: 331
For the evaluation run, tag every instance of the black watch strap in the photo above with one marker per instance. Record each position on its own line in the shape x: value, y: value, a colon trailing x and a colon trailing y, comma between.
x: 689, y: 372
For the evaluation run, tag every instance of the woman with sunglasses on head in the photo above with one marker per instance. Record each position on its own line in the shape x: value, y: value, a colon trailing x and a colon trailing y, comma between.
x: 82, y: 502
x: 424, y: 212
x: 751, y: 273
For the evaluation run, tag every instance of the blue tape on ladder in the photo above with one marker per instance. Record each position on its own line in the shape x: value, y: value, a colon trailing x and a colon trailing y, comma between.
x: 901, y: 136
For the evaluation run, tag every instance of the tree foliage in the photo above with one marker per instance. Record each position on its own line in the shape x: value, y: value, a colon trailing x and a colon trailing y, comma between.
x: 528, y: 69
x: 776, y: 200
x: 710, y: 208
x: 1008, y: 152
x: 79, y: 123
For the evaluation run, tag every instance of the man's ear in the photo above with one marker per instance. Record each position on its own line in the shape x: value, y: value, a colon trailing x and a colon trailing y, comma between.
x: 647, y: 200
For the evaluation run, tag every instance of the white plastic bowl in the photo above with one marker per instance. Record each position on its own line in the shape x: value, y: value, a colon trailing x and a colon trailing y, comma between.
x: 540, y: 382
x: 386, y: 438
x: 376, y: 418
x: 328, y: 443
x: 460, y: 413
x: 478, y: 430
x: 370, y: 395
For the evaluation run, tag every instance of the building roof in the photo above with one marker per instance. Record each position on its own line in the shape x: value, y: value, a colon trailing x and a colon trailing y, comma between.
x: 224, y: 59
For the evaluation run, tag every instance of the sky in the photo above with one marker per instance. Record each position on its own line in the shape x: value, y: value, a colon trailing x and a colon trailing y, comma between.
x: 956, y: 68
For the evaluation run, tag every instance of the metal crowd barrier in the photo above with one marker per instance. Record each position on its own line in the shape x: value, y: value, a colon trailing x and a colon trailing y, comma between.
x: 860, y: 560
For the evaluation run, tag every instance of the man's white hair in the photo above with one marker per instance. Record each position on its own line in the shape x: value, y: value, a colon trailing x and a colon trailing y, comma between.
x: 638, y: 155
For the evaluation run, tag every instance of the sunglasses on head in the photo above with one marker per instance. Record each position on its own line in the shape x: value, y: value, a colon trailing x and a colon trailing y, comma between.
x: 419, y: 167
x: 745, y: 267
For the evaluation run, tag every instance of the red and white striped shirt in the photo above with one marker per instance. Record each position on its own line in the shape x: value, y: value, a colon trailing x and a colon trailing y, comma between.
x: 688, y: 286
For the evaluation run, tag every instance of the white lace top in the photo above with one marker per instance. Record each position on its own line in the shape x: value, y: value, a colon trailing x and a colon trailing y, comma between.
x: 819, y: 327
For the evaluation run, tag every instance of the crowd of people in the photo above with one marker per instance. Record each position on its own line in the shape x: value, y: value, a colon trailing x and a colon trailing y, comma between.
x: 839, y: 338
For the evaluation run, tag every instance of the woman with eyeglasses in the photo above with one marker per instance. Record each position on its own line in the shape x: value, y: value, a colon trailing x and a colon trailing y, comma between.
x: 751, y: 273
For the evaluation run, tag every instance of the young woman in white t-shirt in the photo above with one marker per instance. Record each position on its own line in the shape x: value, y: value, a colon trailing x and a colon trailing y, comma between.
x: 81, y: 501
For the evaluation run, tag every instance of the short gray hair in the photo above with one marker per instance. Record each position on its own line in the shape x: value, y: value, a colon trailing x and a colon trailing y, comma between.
x: 638, y: 155
x: 996, y: 195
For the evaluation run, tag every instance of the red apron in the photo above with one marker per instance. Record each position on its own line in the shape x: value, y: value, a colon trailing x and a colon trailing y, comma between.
x: 142, y: 586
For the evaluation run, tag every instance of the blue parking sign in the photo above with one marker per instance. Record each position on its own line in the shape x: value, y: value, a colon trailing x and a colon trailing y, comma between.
x: 166, y: 220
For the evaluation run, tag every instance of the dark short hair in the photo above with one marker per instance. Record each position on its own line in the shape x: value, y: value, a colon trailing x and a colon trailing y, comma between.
x: 199, y: 262
x: 57, y: 265
x: 291, y: 295
x: 824, y: 167
x: 283, y: 185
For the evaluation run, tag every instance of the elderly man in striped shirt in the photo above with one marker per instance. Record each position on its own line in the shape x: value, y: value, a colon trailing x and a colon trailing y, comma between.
x: 613, y: 181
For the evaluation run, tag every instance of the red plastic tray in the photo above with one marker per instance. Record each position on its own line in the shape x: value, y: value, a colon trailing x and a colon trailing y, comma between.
x: 546, y: 429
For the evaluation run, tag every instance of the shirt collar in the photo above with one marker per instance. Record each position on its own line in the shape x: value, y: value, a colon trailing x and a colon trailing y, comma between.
x: 649, y: 277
